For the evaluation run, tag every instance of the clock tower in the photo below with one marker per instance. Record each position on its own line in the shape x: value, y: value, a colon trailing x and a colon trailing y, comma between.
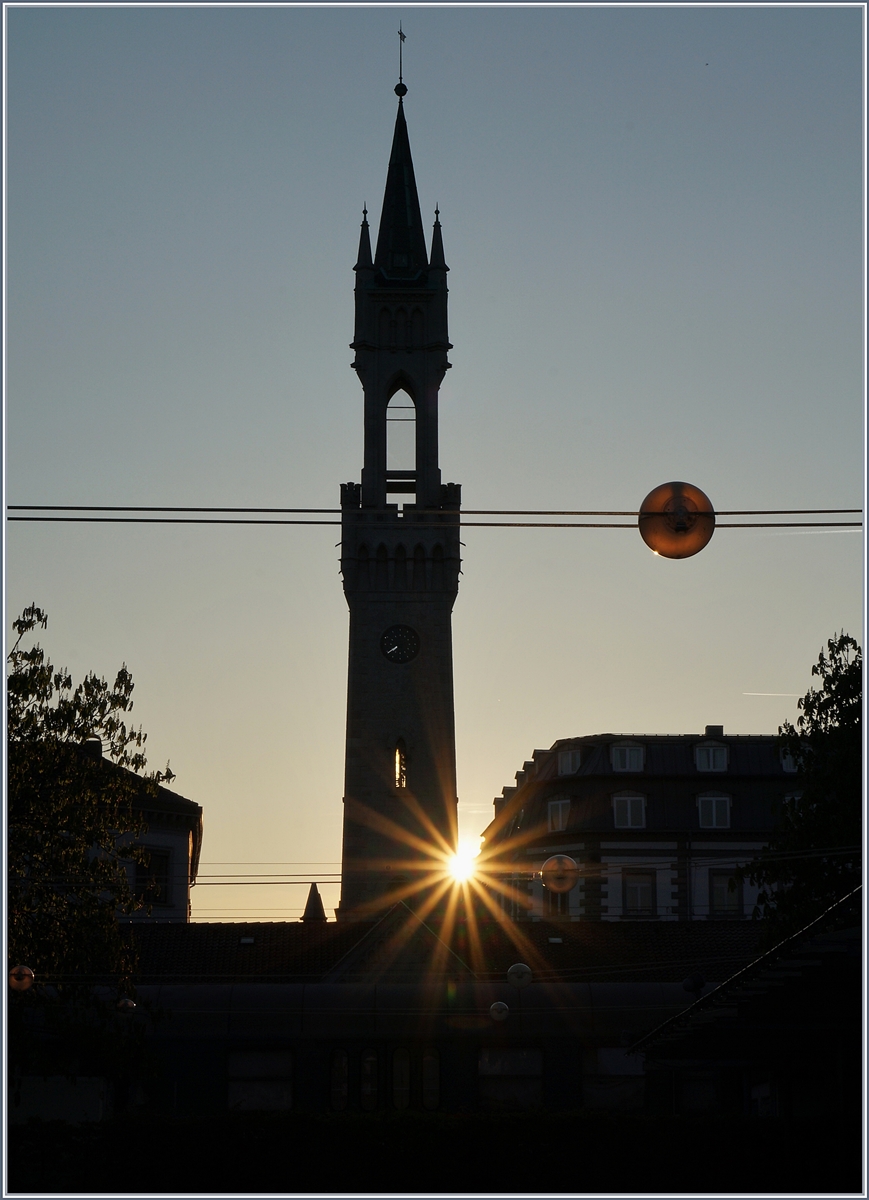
x: 400, y: 567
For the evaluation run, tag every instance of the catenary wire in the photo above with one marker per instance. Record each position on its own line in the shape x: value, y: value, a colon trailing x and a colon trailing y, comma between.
x: 475, y: 512
x: 405, y: 524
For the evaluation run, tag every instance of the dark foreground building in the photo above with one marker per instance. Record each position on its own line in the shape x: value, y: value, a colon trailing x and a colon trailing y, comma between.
x: 782, y: 1038
x: 315, y: 1057
x: 398, y: 1014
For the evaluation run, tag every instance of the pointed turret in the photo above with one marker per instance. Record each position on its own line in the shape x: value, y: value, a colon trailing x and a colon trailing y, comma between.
x: 314, y: 910
x: 363, y: 258
x: 437, y: 261
x: 400, y: 250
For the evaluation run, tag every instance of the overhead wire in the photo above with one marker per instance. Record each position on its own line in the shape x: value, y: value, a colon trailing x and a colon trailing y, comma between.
x: 180, y: 515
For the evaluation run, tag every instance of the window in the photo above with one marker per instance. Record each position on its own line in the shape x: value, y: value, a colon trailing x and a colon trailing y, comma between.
x: 260, y: 1080
x: 510, y: 1078
x: 557, y: 904
x: 338, y: 1080
x: 401, y: 1078
x: 629, y: 811
x: 788, y: 763
x: 639, y: 897
x: 431, y: 1081
x: 568, y: 762
x: 559, y: 815
x: 725, y: 894
x: 628, y: 758
x: 153, y: 878
x: 368, y: 1081
x: 401, y: 443
x: 714, y: 811
x: 400, y: 764
x: 711, y: 758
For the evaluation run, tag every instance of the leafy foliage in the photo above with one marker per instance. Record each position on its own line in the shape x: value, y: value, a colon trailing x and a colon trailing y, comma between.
x: 71, y: 817
x: 814, y: 857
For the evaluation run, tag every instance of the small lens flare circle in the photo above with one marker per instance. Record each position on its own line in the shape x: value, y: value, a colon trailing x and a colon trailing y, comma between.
x: 462, y: 865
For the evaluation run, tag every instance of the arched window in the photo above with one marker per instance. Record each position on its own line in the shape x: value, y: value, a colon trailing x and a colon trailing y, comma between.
x: 338, y: 1080
x: 418, y: 327
x: 419, y: 569
x: 381, y: 581
x: 400, y: 579
x: 401, y: 1078
x: 368, y: 1081
x: 386, y: 328
x: 437, y: 568
x: 362, y: 577
x: 401, y: 433
x: 431, y: 1080
x: 400, y: 764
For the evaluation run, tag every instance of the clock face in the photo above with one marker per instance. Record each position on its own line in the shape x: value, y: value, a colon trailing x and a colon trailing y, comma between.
x: 400, y: 644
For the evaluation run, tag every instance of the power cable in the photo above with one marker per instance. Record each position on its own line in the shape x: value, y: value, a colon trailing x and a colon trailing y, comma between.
x: 291, y: 516
x: 474, y: 512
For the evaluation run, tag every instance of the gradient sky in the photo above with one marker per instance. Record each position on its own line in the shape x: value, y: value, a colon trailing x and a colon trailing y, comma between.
x: 653, y: 220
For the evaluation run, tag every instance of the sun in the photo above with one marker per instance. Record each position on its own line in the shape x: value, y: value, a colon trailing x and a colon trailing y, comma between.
x: 462, y: 863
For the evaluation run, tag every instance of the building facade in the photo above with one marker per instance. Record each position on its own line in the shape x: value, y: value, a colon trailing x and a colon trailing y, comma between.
x: 173, y: 842
x: 656, y: 824
x: 400, y: 565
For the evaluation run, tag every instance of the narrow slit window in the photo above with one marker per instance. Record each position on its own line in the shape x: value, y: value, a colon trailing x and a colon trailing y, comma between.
x: 431, y: 1080
x: 401, y: 1078
x: 338, y: 1080
x: 400, y: 764
x: 368, y: 1081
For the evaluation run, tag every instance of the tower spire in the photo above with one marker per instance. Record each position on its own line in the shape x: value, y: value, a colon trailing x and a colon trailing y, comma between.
x: 400, y: 252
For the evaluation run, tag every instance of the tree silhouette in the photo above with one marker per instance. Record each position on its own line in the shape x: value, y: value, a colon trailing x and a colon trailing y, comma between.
x: 814, y: 857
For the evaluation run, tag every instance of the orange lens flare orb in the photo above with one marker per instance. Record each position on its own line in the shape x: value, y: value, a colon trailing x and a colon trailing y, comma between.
x: 676, y: 520
x: 560, y: 873
x: 20, y: 979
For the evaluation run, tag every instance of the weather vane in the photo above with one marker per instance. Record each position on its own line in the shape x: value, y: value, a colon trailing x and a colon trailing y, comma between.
x: 402, y: 37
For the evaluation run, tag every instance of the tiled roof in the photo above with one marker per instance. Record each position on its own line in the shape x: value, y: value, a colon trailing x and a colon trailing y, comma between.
x: 640, y: 951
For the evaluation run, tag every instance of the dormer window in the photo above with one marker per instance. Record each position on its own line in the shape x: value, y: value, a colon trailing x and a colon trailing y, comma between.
x: 788, y: 763
x: 568, y: 762
x: 628, y: 758
x: 710, y: 758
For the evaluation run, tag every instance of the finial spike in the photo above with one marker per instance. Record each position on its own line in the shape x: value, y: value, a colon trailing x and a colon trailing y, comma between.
x: 400, y: 89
